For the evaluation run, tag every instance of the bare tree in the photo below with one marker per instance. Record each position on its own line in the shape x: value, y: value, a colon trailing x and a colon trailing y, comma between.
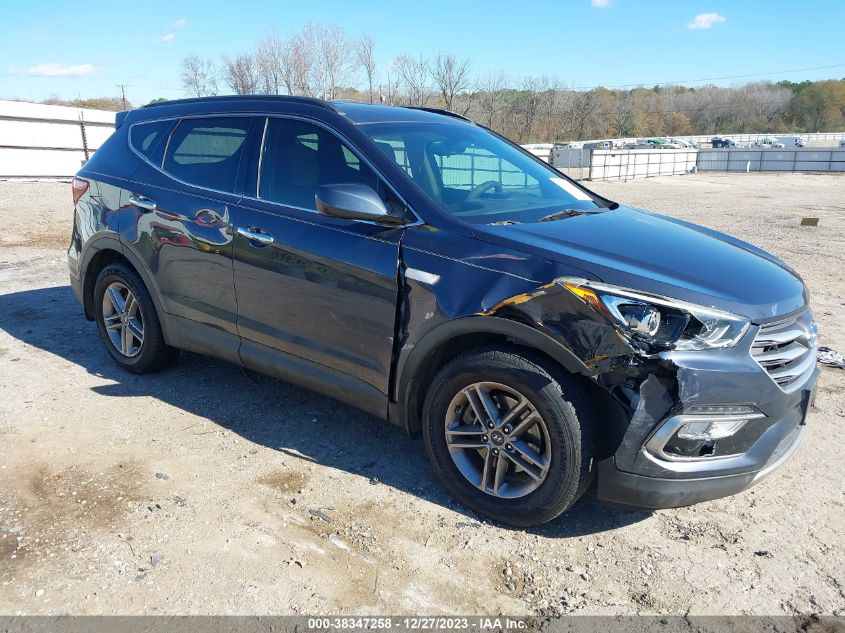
x: 270, y: 58
x: 491, y: 99
x: 199, y: 77
x: 451, y: 76
x: 413, y: 74
x: 527, y: 107
x: 297, y: 62
x: 241, y: 73
x: 551, y: 100
x: 327, y: 57
x: 365, y: 52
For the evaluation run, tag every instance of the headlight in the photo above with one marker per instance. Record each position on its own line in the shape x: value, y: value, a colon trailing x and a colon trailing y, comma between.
x: 660, y: 321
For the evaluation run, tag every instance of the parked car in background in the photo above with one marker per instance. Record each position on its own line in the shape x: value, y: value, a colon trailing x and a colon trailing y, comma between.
x: 799, y: 142
x: 429, y: 271
x: 718, y: 142
x: 682, y: 144
x: 767, y: 142
x: 664, y: 143
x: 599, y: 145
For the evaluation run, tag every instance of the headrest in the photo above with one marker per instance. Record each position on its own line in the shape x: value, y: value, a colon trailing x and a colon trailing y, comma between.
x: 387, y: 148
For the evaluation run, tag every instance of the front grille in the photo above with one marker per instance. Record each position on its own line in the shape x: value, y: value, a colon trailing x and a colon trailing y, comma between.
x: 787, y: 350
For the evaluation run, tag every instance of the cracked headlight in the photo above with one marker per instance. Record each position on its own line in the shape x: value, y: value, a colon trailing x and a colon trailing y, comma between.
x: 660, y: 321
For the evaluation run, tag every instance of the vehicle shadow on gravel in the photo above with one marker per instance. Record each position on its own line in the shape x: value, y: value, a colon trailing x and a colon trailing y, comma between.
x: 263, y: 410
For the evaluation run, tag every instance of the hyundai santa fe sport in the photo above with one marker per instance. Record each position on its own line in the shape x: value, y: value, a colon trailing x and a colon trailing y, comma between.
x: 427, y: 270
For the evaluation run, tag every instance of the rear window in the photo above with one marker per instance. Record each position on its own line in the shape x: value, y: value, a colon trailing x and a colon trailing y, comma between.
x: 148, y: 139
x: 205, y: 152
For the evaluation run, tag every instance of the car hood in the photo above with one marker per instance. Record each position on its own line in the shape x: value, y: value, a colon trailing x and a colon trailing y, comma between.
x: 658, y: 254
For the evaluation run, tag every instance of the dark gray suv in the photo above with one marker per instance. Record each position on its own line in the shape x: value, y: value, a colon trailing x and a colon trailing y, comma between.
x: 425, y: 269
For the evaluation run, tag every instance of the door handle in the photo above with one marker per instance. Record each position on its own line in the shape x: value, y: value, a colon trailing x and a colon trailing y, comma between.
x: 142, y: 202
x: 254, y: 234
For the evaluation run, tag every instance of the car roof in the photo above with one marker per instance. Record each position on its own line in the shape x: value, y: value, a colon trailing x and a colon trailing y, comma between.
x: 357, y: 113
x: 380, y: 113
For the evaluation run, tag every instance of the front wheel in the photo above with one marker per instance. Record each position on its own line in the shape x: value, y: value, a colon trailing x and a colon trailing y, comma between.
x: 508, y: 434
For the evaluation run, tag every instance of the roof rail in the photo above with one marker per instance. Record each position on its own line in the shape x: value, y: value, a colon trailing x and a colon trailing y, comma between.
x: 223, y: 98
x: 454, y: 115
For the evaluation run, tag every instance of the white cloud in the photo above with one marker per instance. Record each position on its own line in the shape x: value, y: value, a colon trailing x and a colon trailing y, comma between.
x: 57, y: 70
x: 600, y: 4
x: 705, y: 21
x: 180, y: 23
x: 167, y: 37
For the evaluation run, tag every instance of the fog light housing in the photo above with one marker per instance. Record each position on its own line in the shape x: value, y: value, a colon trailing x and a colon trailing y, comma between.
x: 713, y: 430
x: 706, y: 431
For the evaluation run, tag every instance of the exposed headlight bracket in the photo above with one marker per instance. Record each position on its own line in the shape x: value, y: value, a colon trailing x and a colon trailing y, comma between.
x: 661, y: 322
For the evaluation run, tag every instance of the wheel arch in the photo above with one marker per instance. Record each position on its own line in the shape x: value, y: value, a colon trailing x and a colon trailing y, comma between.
x: 452, y: 338
x: 106, y: 250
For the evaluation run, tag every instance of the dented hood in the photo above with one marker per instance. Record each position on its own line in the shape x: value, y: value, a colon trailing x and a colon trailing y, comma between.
x: 658, y: 254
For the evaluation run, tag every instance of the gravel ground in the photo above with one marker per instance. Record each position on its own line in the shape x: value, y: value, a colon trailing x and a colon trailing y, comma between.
x: 208, y: 490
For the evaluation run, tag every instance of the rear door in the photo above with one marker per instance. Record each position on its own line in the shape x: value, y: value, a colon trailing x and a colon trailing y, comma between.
x: 181, y: 202
x: 317, y: 288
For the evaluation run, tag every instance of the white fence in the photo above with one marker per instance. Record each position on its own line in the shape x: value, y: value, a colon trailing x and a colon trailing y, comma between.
x: 626, y: 164
x: 622, y: 164
x: 834, y: 137
x: 792, y: 159
x: 45, y: 141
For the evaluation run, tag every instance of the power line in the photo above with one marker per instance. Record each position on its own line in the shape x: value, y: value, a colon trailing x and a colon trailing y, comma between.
x: 686, y: 81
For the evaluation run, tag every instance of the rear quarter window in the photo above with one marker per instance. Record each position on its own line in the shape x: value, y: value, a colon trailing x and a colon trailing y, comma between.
x: 205, y: 152
x: 148, y: 139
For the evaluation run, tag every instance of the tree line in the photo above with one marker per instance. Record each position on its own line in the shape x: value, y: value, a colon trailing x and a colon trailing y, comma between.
x: 327, y: 62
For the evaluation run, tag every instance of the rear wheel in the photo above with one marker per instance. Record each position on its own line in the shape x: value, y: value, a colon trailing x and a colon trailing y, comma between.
x: 508, y: 434
x: 127, y: 321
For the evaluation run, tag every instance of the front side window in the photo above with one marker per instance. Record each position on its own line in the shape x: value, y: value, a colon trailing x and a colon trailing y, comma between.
x: 475, y: 175
x: 206, y: 151
x: 299, y: 156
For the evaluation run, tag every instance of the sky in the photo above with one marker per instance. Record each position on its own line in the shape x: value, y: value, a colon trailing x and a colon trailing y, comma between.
x: 88, y: 49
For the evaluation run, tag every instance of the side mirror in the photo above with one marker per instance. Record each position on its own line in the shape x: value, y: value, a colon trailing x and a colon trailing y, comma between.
x: 353, y: 201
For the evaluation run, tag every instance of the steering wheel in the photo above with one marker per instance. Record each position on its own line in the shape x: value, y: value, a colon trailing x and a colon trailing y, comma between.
x: 484, y: 187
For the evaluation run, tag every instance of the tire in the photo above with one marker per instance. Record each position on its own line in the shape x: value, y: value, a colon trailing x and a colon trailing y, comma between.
x: 567, y: 445
x: 146, y: 355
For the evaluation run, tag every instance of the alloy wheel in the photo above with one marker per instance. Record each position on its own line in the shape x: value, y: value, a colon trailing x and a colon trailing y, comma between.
x: 498, y: 440
x: 123, y: 319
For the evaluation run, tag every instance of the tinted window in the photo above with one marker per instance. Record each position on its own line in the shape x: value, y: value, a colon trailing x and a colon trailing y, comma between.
x: 474, y: 166
x: 148, y: 138
x: 205, y: 152
x: 298, y: 157
x: 475, y: 175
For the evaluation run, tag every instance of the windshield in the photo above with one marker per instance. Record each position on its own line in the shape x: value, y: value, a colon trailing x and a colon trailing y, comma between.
x: 476, y: 176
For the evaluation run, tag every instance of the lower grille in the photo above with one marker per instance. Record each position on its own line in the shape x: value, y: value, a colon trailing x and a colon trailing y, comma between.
x: 787, y: 350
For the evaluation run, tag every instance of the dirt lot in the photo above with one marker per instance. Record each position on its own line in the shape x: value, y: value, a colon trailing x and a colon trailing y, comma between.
x: 207, y: 490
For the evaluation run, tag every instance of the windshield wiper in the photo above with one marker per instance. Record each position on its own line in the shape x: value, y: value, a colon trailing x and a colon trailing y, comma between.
x: 503, y: 223
x: 563, y: 213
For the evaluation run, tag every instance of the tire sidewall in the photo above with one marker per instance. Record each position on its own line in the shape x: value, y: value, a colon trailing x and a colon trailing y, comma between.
x: 561, y: 486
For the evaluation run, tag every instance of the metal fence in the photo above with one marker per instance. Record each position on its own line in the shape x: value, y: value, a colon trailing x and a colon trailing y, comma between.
x: 627, y: 164
x: 788, y: 160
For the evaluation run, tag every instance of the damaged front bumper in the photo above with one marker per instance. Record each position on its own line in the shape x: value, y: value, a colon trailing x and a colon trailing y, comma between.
x: 617, y: 487
x: 640, y: 474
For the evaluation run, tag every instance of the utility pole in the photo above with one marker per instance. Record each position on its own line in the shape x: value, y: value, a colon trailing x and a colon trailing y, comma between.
x: 123, y: 94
